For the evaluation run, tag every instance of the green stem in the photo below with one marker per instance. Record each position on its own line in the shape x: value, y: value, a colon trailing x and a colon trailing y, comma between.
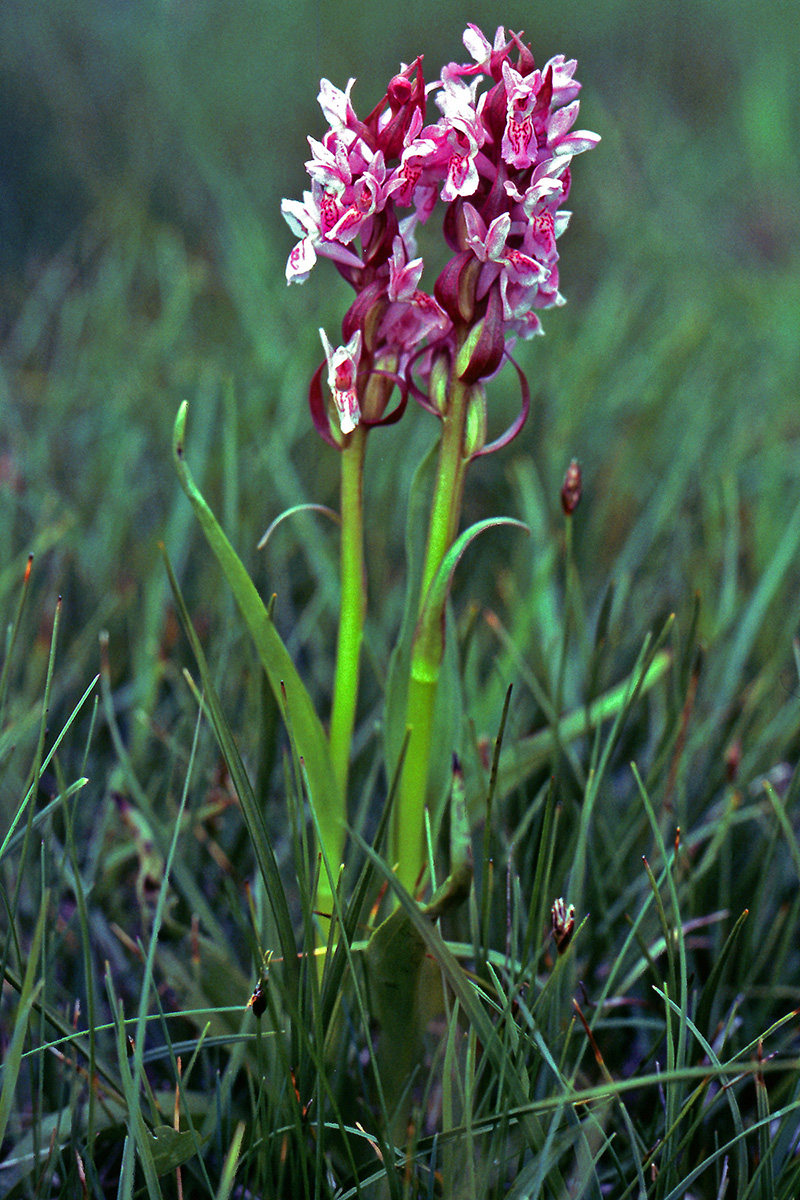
x: 424, y: 673
x: 410, y: 811
x: 352, y: 608
x: 448, y: 489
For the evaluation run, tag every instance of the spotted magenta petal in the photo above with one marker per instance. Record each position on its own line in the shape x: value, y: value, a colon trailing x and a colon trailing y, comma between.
x: 342, y: 377
x: 336, y: 105
x: 565, y: 88
x: 487, y: 244
x: 541, y: 234
x: 480, y: 49
x: 300, y: 262
x: 302, y: 258
x: 462, y: 174
x: 404, y: 275
x: 329, y: 167
x: 524, y: 268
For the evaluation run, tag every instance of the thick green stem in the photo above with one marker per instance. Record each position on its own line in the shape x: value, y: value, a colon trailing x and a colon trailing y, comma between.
x: 409, y: 824
x: 424, y: 673
x: 352, y: 609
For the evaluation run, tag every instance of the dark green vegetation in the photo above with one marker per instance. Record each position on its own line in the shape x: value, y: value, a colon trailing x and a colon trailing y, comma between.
x: 143, y: 153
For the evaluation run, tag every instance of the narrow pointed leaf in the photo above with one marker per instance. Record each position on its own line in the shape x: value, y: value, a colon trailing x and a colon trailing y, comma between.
x: 312, y: 744
x: 262, y: 846
x: 429, y: 637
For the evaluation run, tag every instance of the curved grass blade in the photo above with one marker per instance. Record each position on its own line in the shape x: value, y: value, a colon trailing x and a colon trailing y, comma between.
x: 428, y: 646
x: 312, y: 743
x: 290, y: 512
x: 262, y: 846
x: 28, y: 995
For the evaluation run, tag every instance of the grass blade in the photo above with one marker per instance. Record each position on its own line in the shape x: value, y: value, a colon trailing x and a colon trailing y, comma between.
x: 283, y: 678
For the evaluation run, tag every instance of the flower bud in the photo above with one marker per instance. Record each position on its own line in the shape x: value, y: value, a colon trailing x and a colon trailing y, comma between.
x: 475, y: 422
x: 571, y: 488
x: 733, y: 757
x: 455, y: 288
x: 439, y: 384
x: 258, y: 1000
x: 378, y: 389
x: 563, y: 918
x: 483, y: 350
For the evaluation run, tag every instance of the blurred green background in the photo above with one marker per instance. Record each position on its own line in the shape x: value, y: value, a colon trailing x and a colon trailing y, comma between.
x: 144, y: 150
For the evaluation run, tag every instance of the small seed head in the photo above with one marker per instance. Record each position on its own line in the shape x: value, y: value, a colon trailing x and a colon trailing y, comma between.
x: 563, y: 917
x: 571, y: 488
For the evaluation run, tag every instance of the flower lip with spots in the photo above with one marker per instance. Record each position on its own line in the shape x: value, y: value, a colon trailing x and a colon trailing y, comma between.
x: 342, y: 379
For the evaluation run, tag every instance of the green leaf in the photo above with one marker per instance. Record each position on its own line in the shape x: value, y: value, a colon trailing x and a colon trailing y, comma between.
x: 287, y: 687
x: 28, y: 995
x: 404, y: 988
x: 169, y: 1147
x: 428, y: 647
x: 290, y: 512
x: 332, y: 978
x: 256, y: 828
x: 393, y: 960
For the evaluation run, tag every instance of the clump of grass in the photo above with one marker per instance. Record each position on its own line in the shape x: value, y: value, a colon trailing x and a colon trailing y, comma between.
x: 654, y: 1054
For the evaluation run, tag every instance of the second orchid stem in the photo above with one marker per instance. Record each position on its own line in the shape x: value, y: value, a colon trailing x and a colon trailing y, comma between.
x: 424, y: 668
x: 352, y: 608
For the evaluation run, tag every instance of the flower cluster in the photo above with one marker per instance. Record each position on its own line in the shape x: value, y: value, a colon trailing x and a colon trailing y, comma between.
x: 499, y: 162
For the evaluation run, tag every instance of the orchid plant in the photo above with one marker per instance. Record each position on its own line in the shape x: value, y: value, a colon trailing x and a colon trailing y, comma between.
x: 494, y: 170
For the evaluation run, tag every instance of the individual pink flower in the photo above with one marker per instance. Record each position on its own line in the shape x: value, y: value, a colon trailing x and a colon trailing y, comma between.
x: 490, y: 246
x: 451, y: 146
x: 547, y: 185
x: 342, y: 377
x: 520, y: 145
x: 416, y: 179
x: 481, y: 50
x: 412, y: 315
x: 308, y: 221
x: 351, y: 180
